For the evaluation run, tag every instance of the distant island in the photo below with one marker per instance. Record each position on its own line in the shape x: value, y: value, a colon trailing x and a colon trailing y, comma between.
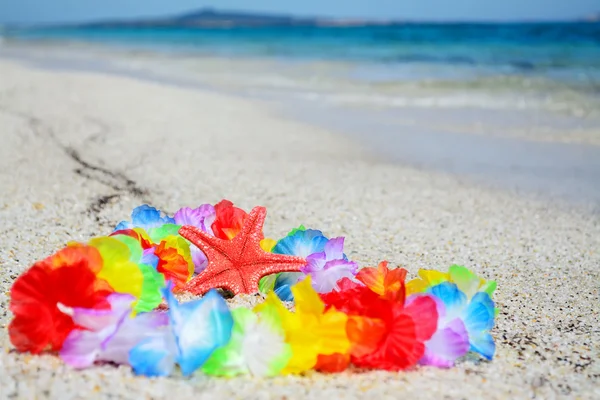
x: 210, y: 18
x: 592, y: 17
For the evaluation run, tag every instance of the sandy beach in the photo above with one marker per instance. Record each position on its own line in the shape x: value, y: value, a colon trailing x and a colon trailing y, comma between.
x: 80, y: 150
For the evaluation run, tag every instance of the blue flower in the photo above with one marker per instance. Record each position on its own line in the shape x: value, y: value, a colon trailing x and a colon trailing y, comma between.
x: 299, y: 242
x: 479, y: 320
x: 145, y: 217
x: 476, y: 315
x: 197, y: 328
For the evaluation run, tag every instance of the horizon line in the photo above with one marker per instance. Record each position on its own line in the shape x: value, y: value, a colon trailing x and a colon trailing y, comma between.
x: 589, y: 18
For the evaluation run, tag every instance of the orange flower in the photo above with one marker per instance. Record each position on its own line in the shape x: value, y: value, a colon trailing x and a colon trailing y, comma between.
x: 388, y: 283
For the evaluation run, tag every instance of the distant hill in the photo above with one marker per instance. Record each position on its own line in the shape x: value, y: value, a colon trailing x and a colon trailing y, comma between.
x: 592, y: 17
x: 211, y: 18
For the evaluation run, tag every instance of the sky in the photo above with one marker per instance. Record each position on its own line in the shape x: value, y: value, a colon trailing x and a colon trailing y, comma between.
x: 31, y: 11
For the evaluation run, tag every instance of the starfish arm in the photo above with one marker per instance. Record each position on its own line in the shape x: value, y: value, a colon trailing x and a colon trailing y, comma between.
x: 225, y: 280
x: 201, y: 239
x: 265, y: 257
x: 264, y: 268
x: 254, y: 222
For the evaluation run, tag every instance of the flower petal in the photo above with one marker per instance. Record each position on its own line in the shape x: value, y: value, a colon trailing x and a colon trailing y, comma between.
x: 479, y: 319
x: 131, y: 332
x: 81, y: 348
x: 199, y: 327
x: 334, y: 249
x: 447, y: 345
x: 301, y: 243
x: 198, y: 258
x: 154, y: 356
x: 257, y: 347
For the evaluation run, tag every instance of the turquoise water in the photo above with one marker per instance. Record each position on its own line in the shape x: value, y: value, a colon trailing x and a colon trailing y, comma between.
x: 515, y: 104
x: 552, y: 66
x: 510, y: 47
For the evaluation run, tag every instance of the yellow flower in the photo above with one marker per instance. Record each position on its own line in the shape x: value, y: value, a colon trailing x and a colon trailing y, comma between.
x: 118, y: 270
x: 467, y: 281
x: 426, y: 279
x: 267, y: 244
x: 310, y: 330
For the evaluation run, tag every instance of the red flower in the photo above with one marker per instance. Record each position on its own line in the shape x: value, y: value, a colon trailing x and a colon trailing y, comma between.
x: 336, y: 362
x: 228, y: 221
x: 385, y: 334
x: 399, y: 337
x: 67, y: 278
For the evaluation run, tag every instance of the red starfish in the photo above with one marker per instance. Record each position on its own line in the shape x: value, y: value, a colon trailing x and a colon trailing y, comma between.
x: 238, y: 264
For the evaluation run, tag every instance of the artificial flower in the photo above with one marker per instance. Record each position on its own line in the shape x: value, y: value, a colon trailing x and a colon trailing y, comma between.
x: 66, y: 279
x: 267, y: 244
x: 174, y: 260
x: 145, y: 217
x: 109, y: 334
x: 387, y: 283
x: 160, y: 233
x: 229, y: 220
x: 299, y: 242
x: 310, y: 330
x: 146, y: 261
x: 336, y: 362
x: 138, y: 234
x: 196, y: 329
x: 328, y: 267
x: 283, y: 282
x: 467, y: 281
x: 451, y: 339
x: 384, y: 332
x: 170, y: 257
x: 202, y: 217
x: 462, y: 320
x: 257, y: 346
x: 123, y: 275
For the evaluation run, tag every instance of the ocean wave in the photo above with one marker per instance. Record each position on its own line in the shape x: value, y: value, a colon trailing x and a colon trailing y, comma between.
x: 523, y: 47
x: 457, y: 100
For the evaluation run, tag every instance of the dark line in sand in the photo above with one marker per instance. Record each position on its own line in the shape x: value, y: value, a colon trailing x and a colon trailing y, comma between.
x: 117, y: 181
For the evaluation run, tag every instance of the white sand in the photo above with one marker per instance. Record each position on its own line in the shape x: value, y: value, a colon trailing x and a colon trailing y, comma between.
x: 70, y: 140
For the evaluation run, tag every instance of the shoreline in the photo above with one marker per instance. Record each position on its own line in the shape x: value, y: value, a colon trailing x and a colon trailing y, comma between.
x: 186, y: 146
x: 555, y: 168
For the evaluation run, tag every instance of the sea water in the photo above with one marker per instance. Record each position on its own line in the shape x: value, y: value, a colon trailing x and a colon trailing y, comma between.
x: 538, y: 65
x: 517, y: 104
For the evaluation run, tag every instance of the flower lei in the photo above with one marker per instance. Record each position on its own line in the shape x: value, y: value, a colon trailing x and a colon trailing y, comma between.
x: 105, y: 301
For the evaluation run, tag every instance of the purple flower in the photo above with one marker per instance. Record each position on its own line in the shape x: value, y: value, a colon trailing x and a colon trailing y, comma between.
x: 448, y: 343
x: 463, y: 325
x: 328, y: 267
x: 202, y: 218
x: 109, y: 335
